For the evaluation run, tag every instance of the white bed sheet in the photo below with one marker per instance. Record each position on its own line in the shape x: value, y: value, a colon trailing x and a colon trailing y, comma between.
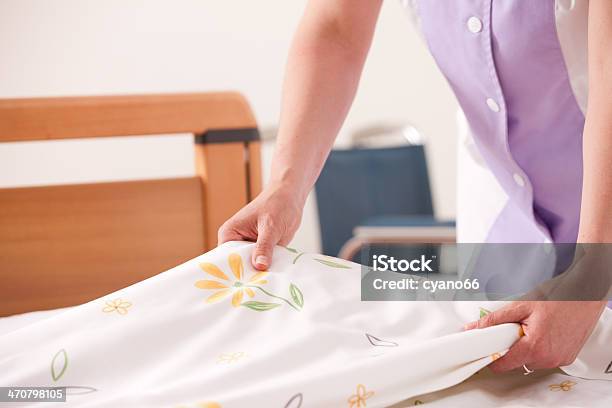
x: 11, y: 323
x: 159, y: 343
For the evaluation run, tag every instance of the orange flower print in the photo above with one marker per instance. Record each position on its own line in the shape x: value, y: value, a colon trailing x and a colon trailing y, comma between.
x: 209, y: 405
x: 358, y: 400
x: 228, y: 358
x: 118, y: 305
x: 564, y: 386
x: 235, y: 287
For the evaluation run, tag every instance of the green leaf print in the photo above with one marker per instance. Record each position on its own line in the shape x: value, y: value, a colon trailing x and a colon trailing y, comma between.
x: 484, y: 312
x: 260, y: 306
x: 332, y: 264
x: 296, y: 295
x: 59, y: 364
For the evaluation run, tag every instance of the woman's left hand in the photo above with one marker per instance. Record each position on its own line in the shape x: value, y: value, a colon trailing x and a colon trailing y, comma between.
x: 555, y: 331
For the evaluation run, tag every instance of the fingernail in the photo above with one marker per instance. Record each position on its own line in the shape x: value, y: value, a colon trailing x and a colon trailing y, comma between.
x: 261, y: 260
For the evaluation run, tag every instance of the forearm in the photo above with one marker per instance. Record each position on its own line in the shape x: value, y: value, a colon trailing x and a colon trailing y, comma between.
x: 596, y: 218
x: 321, y: 79
x: 596, y: 210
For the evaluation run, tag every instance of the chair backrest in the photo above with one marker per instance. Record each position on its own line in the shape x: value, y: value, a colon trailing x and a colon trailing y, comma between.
x: 357, y: 184
x: 64, y: 245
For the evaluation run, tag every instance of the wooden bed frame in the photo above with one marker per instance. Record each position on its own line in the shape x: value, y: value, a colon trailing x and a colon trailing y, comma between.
x: 65, y: 245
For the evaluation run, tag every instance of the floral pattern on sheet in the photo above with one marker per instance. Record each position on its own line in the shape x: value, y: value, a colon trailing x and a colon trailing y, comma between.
x: 229, y: 358
x: 118, y: 305
x: 295, y: 401
x: 297, y: 253
x: 79, y: 390
x: 59, y: 364
x: 564, y: 386
x: 358, y: 400
x: 229, y: 353
x: 237, y: 287
x: 331, y: 262
x: 378, y: 342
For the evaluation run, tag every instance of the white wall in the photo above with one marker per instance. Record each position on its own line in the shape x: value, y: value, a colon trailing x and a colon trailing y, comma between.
x: 92, y: 47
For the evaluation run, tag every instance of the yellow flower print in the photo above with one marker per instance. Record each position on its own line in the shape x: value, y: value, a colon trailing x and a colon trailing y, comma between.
x: 235, y: 287
x: 358, y: 400
x: 229, y: 358
x: 117, y: 305
x: 564, y: 386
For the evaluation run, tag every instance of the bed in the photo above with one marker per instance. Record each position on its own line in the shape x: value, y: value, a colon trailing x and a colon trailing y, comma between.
x: 95, y: 317
x: 92, y: 239
x: 213, y: 332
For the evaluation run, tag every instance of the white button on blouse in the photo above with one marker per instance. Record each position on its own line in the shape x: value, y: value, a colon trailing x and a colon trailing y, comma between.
x: 519, y: 180
x: 492, y: 105
x: 474, y: 24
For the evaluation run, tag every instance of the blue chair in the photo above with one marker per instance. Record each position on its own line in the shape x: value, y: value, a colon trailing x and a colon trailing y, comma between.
x: 381, y: 193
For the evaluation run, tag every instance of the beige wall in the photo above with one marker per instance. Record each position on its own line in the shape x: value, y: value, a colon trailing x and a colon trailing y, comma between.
x: 85, y: 47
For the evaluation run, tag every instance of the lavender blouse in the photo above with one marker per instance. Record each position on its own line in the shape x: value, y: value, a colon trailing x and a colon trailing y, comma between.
x: 518, y: 69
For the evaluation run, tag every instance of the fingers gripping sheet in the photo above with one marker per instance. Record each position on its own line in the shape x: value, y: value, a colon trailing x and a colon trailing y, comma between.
x: 214, y: 332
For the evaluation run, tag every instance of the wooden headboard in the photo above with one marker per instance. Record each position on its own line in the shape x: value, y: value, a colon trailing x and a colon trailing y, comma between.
x: 65, y: 245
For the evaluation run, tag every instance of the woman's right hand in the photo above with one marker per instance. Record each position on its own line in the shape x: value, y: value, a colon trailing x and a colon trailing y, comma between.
x: 322, y: 74
x: 270, y: 219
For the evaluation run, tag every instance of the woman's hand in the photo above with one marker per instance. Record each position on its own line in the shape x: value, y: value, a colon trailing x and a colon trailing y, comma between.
x: 323, y: 69
x: 555, y: 331
x: 272, y: 218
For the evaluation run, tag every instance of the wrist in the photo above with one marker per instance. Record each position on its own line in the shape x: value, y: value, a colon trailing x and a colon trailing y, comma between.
x: 290, y: 185
x: 289, y: 191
